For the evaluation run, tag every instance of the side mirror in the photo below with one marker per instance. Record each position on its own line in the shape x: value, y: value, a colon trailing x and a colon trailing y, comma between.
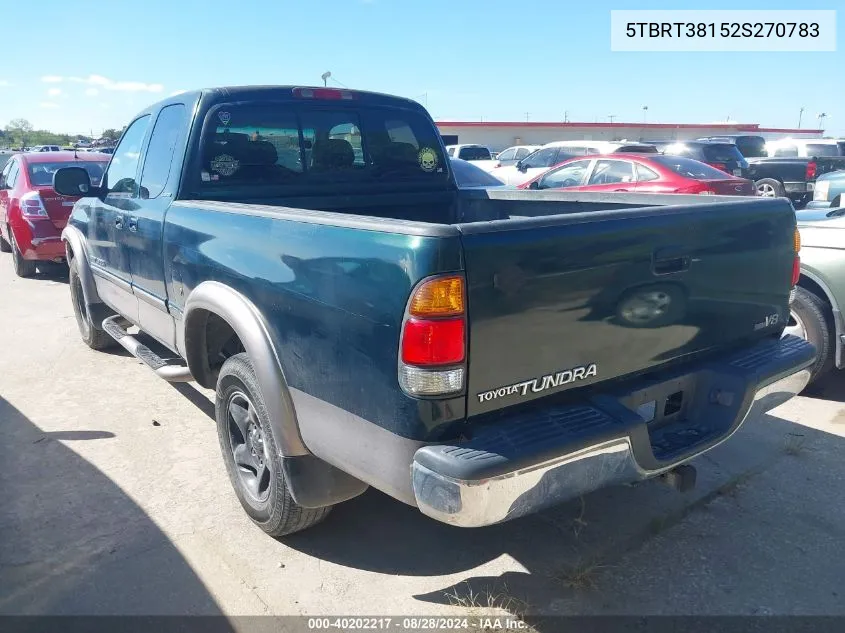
x: 519, y: 166
x: 73, y: 181
x: 534, y: 184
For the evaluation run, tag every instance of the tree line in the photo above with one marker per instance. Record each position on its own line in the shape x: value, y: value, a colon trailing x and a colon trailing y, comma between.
x: 21, y: 133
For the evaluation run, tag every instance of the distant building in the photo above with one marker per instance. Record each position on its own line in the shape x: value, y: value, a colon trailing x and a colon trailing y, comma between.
x: 497, y: 135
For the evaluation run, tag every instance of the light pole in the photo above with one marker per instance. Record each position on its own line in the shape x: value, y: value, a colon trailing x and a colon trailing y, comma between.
x: 800, y: 114
x: 566, y: 116
x: 822, y: 116
x: 325, y: 77
x: 645, y: 113
x: 611, y: 117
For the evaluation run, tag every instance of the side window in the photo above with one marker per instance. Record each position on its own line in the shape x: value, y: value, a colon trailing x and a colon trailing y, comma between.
x: 541, y: 158
x: 786, y: 150
x: 5, y: 173
x: 123, y: 168
x: 168, y: 130
x: 522, y: 152
x: 608, y: 172
x: 451, y: 152
x: 570, y: 175
x: 592, y: 150
x: 12, y: 176
x: 509, y: 154
x: 644, y: 174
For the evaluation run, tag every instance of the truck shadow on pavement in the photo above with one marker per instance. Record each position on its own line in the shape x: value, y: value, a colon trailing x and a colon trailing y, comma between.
x: 583, y: 557
x: 73, y: 543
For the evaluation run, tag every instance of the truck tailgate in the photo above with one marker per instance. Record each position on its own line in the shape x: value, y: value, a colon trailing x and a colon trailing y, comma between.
x: 564, y: 301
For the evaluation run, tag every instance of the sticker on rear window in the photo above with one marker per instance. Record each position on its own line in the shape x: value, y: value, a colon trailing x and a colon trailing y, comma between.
x: 224, y: 165
x: 428, y: 159
x: 224, y: 117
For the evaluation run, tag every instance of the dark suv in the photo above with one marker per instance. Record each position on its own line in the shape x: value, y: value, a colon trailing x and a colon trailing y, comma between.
x: 750, y: 146
x: 723, y: 156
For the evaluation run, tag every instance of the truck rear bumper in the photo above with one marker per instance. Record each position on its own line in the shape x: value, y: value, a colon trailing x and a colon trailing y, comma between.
x: 532, y: 460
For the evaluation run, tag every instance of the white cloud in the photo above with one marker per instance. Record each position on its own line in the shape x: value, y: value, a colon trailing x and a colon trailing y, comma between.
x: 106, y: 84
x: 54, y: 92
x: 48, y: 104
x: 92, y: 92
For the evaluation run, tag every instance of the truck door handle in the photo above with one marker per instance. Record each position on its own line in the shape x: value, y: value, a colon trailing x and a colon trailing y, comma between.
x: 133, y: 224
x: 118, y: 222
x: 669, y: 260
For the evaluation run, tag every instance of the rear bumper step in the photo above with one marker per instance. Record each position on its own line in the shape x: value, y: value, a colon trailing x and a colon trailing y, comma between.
x: 542, y: 457
x: 114, y: 326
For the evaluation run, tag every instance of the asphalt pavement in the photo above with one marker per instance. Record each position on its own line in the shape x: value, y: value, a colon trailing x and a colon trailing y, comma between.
x: 114, y: 500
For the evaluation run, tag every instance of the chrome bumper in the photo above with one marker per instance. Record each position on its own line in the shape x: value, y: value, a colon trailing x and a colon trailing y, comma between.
x: 485, y: 501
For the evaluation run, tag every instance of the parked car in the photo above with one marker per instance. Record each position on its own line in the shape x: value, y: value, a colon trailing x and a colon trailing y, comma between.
x: 468, y: 176
x: 829, y: 191
x: 723, y: 156
x: 424, y: 351
x: 816, y: 308
x: 5, y: 155
x: 512, y: 155
x: 32, y: 214
x: 804, y: 148
x: 555, y: 153
x: 642, y: 174
x: 791, y: 177
x: 749, y: 145
x: 45, y: 148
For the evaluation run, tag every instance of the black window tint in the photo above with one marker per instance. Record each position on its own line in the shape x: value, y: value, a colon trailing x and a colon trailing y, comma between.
x: 541, y: 158
x: 169, y: 128
x: 41, y: 174
x: 570, y: 175
x: 819, y: 149
x: 721, y: 153
x: 474, y: 153
x: 751, y: 146
x: 607, y: 172
x: 123, y: 168
x: 690, y: 168
x: 786, y: 150
x: 294, y: 146
x: 637, y: 149
x: 644, y: 174
x: 508, y: 154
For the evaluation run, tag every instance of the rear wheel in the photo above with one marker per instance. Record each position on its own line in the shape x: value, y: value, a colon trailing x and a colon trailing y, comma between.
x: 23, y: 267
x: 251, y: 456
x: 770, y: 188
x: 808, y: 318
x: 94, y: 337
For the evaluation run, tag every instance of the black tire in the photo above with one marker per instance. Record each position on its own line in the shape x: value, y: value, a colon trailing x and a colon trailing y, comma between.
x: 810, y: 314
x: 260, y: 485
x: 23, y: 267
x: 769, y: 188
x: 94, y: 337
x: 5, y: 247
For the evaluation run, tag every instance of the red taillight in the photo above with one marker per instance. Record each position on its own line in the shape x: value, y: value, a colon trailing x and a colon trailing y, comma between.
x: 429, y: 342
x: 719, y: 166
x: 329, y: 94
x: 32, y: 206
x: 698, y: 187
x: 796, y: 270
x: 811, y: 170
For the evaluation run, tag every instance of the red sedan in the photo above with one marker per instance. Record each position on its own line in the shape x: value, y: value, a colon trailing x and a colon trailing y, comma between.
x: 32, y: 215
x: 641, y: 173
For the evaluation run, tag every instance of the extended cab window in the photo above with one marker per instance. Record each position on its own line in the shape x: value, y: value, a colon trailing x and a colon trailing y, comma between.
x: 277, y: 145
x: 168, y: 130
x: 474, y: 153
x: 123, y: 168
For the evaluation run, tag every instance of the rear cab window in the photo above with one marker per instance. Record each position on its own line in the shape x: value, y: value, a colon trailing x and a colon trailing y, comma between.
x: 822, y: 149
x: 294, y: 146
x: 721, y: 152
x: 474, y: 153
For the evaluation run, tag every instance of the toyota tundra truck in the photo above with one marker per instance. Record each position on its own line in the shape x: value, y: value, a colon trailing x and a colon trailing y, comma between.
x: 478, y: 354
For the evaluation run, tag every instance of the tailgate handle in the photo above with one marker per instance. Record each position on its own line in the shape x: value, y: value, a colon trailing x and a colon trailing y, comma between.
x: 669, y: 260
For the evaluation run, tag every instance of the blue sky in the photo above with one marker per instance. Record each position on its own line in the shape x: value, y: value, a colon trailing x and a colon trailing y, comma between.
x: 496, y: 59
